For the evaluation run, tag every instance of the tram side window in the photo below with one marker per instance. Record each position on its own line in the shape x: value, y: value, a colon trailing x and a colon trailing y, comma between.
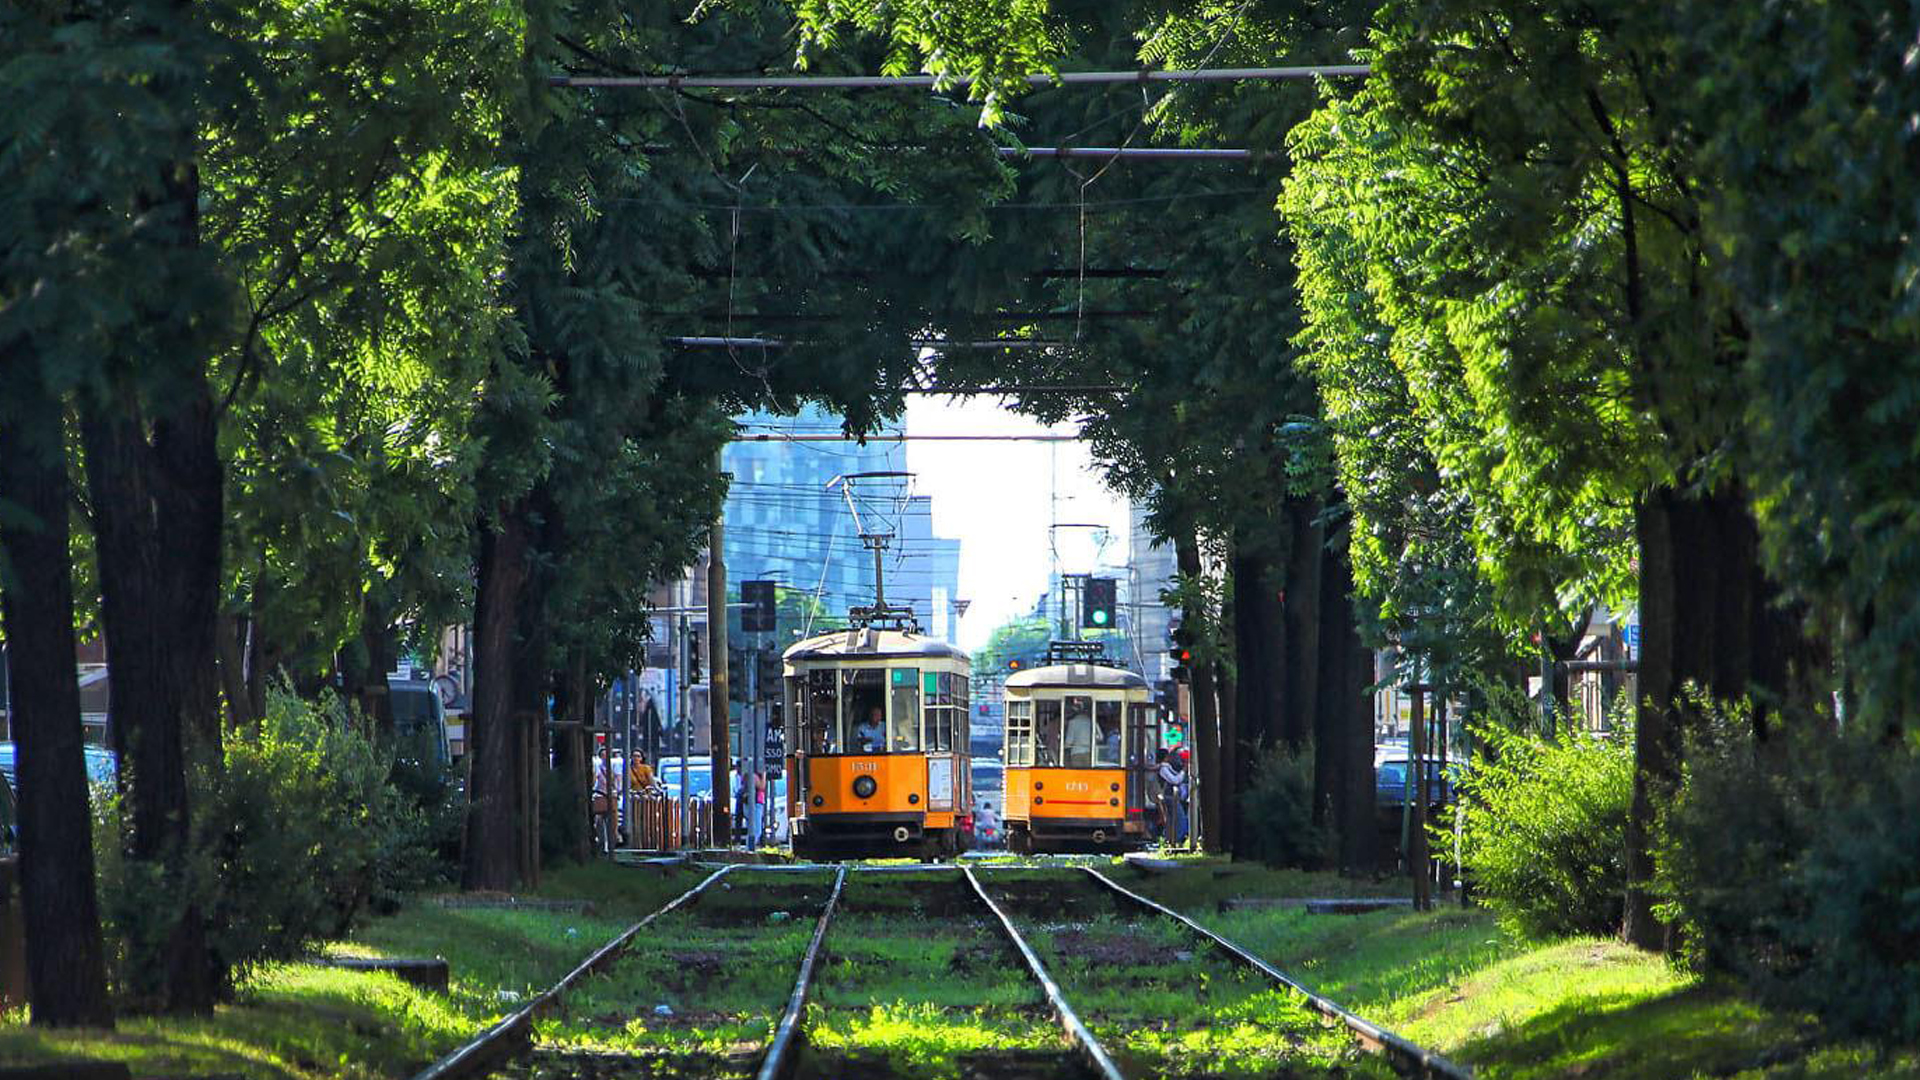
x: 1078, y: 741
x: 904, y: 734
x: 1106, y: 734
x: 821, y: 713
x: 1019, y: 733
x: 1046, y: 732
x: 863, y: 710
x: 962, y: 718
x: 939, y: 703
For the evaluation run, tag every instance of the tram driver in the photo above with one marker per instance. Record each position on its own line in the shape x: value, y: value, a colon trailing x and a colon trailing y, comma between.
x: 870, y: 734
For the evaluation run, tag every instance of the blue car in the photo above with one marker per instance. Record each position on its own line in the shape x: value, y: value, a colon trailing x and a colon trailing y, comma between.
x: 102, y: 766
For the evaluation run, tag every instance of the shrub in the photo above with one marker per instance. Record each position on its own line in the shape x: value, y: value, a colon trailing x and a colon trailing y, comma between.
x: 561, y: 827
x: 1793, y: 865
x: 1277, y: 809
x: 1543, y: 829
x: 298, y: 830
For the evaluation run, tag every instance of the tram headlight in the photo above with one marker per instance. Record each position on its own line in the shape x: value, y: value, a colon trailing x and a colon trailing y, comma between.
x: 864, y: 787
x: 913, y: 799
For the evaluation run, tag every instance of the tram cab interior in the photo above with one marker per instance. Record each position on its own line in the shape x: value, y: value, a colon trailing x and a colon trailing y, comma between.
x: 1080, y: 741
x: 877, y: 726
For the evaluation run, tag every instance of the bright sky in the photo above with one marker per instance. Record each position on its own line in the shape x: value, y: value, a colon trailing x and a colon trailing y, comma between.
x: 999, y: 499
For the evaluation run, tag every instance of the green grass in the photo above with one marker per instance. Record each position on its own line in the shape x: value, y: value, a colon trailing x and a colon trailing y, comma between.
x: 917, y: 980
x: 707, y: 984
x: 305, y: 1022
x: 1453, y: 981
x: 1162, y: 1001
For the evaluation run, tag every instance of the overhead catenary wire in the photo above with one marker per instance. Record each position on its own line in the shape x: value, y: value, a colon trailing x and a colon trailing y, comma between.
x: 942, y: 82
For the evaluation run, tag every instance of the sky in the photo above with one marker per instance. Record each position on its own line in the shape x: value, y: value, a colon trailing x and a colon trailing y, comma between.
x: 999, y: 500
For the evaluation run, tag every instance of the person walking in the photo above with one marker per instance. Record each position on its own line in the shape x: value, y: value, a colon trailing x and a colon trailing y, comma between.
x: 602, y: 801
x: 1173, y: 785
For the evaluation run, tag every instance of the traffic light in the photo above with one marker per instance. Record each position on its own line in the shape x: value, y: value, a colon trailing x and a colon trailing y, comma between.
x: 769, y: 673
x: 693, y: 661
x: 1097, y: 604
x: 736, y: 673
x: 1180, y: 651
x: 759, y: 617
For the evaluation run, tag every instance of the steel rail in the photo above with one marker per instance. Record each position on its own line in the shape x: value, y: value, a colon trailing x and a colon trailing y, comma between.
x: 1402, y: 1052
x: 776, y: 1061
x: 1077, y: 1032
x: 511, y: 1035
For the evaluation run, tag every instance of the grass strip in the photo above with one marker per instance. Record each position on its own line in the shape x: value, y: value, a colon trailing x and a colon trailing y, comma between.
x: 920, y: 983
x: 1452, y: 980
x: 700, y: 992
x: 303, y: 1021
x: 1164, y: 1003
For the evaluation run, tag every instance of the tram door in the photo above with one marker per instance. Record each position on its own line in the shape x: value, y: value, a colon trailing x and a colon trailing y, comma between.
x: 1143, y: 738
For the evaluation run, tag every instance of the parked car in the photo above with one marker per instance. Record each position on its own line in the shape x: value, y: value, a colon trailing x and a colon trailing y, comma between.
x: 1390, y: 783
x: 102, y: 765
x: 9, y: 818
x: 419, y: 724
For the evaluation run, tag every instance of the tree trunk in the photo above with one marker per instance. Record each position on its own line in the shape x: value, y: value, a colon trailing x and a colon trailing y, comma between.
x: 231, y: 643
x: 158, y: 592
x: 1306, y: 539
x: 1206, y: 725
x: 1343, y: 727
x: 66, y: 962
x: 1256, y: 684
x: 1705, y: 621
x: 491, y: 858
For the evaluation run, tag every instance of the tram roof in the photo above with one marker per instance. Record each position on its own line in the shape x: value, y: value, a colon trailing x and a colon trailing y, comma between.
x: 871, y: 644
x: 1075, y: 676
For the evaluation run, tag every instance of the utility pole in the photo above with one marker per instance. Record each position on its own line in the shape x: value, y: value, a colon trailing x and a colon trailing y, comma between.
x: 717, y: 705
x: 684, y: 657
x: 1417, y: 803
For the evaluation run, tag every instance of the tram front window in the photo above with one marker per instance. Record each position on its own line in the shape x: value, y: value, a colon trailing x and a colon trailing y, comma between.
x: 1106, y: 743
x: 1079, y: 733
x: 820, y: 713
x: 1046, y: 732
x: 863, y: 708
x: 905, y: 733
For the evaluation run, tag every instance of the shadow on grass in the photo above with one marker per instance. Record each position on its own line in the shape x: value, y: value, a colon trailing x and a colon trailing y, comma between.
x: 1697, y: 1031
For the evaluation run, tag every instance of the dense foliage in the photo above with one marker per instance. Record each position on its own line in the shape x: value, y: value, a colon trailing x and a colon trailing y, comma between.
x: 300, y: 829
x: 1278, y: 807
x: 1543, y: 829
x: 1791, y: 865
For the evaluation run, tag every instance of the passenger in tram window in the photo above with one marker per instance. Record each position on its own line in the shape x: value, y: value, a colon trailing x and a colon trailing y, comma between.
x: 1046, y: 733
x: 1079, y: 733
x: 870, y: 736
x: 1107, y: 727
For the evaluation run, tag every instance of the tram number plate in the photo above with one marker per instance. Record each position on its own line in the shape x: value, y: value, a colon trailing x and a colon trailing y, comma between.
x: 1078, y: 785
x: 865, y: 766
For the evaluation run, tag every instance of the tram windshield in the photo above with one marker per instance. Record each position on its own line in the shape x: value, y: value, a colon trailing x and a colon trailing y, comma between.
x: 904, y: 729
x: 1046, y: 732
x: 817, y: 705
x: 1077, y: 742
x: 863, y: 710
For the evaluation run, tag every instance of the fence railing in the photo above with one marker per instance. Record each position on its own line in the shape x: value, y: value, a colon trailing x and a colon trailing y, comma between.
x: 657, y: 825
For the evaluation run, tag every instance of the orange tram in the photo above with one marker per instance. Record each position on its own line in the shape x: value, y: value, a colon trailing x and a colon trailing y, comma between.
x: 876, y: 727
x: 1080, y: 741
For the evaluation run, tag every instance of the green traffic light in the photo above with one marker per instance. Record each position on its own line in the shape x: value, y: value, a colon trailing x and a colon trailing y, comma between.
x: 1099, y: 618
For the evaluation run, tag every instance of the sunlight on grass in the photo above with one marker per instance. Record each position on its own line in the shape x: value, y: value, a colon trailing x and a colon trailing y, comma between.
x: 303, y: 1021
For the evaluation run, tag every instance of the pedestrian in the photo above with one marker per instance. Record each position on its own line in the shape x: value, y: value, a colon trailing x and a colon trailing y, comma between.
x: 757, y: 809
x: 602, y: 801
x: 1156, y: 808
x: 1173, y: 785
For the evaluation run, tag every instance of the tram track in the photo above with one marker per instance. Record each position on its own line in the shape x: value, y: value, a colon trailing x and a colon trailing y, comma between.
x: 1011, y: 974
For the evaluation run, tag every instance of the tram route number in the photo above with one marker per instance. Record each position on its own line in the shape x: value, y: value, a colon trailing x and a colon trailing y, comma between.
x: 865, y: 766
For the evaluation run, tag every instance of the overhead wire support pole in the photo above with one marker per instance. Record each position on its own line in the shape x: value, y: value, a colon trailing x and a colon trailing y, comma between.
x: 945, y: 82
